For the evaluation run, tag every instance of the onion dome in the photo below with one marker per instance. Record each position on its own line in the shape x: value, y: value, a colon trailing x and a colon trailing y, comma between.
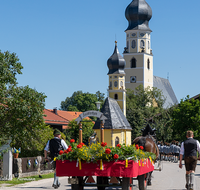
x: 116, y: 62
x: 138, y: 13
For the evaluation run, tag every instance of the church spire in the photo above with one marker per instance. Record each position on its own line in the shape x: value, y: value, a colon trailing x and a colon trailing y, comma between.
x: 116, y: 62
x: 138, y: 13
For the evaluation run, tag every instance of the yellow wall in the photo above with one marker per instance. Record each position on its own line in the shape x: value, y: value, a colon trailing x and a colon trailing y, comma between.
x: 112, y: 95
x: 111, y: 134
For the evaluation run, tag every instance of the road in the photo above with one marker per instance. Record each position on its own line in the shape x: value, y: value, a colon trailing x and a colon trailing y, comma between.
x: 170, y: 178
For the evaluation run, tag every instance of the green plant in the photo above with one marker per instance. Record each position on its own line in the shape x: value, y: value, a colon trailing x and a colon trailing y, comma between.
x: 98, y: 151
x: 14, y: 150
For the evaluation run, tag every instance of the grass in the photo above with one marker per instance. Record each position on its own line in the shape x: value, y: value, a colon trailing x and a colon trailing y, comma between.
x: 16, y: 181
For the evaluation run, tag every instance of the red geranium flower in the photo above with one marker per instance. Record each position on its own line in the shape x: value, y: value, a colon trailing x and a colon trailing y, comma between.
x: 61, y: 152
x: 136, y: 146
x: 141, y: 147
x: 82, y: 144
x: 103, y: 144
x: 116, y: 156
x: 65, y: 151
x: 119, y: 145
x: 79, y: 146
x: 107, y: 151
x: 69, y: 150
x: 72, y: 141
x: 69, y: 146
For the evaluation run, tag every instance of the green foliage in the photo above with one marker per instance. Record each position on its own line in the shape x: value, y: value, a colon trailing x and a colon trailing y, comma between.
x: 73, y: 131
x: 163, y: 123
x: 82, y: 102
x: 21, y: 109
x: 142, y: 104
x: 96, y: 152
x: 186, y: 116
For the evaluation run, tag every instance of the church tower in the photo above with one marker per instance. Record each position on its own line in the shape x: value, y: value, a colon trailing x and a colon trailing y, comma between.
x: 138, y: 53
x: 116, y: 88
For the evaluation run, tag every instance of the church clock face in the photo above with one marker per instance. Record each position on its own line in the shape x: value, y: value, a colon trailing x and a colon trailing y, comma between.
x: 115, y: 83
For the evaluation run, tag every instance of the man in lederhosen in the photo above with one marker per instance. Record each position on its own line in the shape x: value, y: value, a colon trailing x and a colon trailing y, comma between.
x: 189, y: 148
x: 55, y: 145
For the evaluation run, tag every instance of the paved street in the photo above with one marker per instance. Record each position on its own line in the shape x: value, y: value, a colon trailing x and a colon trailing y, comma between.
x: 170, y: 178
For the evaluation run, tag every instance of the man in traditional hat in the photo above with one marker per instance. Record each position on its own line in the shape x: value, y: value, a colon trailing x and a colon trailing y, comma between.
x: 189, y: 148
x: 55, y: 145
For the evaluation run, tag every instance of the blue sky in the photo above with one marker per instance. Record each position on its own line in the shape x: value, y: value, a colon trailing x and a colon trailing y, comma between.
x: 64, y: 45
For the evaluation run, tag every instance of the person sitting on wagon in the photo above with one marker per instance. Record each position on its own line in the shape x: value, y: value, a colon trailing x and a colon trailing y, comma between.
x: 55, y: 145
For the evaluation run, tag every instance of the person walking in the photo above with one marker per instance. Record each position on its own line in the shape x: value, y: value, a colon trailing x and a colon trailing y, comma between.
x: 55, y: 145
x: 176, y: 151
x: 189, y: 148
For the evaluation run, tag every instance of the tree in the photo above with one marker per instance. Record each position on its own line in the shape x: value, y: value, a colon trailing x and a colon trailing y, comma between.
x: 142, y: 104
x: 82, y: 102
x: 163, y: 123
x: 21, y: 108
x: 186, y: 116
x: 73, y: 131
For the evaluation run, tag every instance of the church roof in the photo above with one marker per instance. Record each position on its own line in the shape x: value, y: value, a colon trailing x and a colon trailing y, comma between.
x: 116, y: 62
x: 138, y: 13
x: 166, y: 88
x: 115, y: 117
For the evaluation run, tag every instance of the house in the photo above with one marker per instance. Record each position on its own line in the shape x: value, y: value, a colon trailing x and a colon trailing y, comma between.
x: 59, y: 119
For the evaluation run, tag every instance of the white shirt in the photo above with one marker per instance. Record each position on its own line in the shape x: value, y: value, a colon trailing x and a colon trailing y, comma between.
x: 182, y: 147
x: 63, y: 143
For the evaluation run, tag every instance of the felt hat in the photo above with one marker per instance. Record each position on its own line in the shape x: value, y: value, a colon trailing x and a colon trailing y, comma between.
x: 56, y: 132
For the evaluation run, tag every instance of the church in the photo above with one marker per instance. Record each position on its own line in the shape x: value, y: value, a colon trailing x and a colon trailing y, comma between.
x: 131, y: 70
x: 136, y: 65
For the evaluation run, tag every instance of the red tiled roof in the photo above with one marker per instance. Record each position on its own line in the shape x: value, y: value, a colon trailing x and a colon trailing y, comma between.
x: 52, y: 118
x: 62, y: 117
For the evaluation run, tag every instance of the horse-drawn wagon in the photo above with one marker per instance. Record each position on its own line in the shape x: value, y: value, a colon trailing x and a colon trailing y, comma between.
x: 110, y: 166
x: 114, y: 173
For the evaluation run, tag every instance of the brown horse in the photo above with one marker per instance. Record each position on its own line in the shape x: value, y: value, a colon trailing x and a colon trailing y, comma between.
x: 149, y: 144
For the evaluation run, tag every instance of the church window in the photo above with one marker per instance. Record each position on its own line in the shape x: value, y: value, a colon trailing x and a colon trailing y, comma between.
x: 142, y: 44
x: 116, y: 96
x: 133, y: 63
x: 115, y: 84
x: 133, y: 44
x: 116, y: 141
x: 148, y: 64
x: 121, y: 83
x: 110, y: 84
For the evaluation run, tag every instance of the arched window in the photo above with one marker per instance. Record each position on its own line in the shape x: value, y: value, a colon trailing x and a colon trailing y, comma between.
x: 116, y: 141
x: 133, y: 45
x: 148, y: 64
x: 142, y: 44
x: 133, y: 63
x: 116, y: 96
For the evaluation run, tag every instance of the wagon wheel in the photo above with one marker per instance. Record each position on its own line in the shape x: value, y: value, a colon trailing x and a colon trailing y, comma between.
x: 142, y: 181
x: 78, y: 186
x: 126, y: 183
x: 102, y: 181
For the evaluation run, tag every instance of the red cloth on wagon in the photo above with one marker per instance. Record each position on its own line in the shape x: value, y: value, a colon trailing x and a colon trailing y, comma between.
x: 117, y: 169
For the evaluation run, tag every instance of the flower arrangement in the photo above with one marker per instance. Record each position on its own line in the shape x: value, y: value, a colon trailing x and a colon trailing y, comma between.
x: 28, y: 165
x: 35, y: 163
x: 97, y: 151
x: 14, y: 150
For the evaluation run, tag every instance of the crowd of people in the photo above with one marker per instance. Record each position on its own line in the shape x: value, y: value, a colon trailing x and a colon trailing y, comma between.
x: 169, y: 151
